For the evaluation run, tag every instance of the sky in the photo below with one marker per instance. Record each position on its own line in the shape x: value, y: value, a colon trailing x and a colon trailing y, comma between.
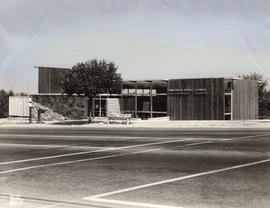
x: 146, y: 39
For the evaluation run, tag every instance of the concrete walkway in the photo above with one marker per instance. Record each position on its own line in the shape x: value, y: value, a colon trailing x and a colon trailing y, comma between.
x: 151, y: 123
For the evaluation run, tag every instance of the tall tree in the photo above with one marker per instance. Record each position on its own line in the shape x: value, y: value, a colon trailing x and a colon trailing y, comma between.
x: 91, y: 78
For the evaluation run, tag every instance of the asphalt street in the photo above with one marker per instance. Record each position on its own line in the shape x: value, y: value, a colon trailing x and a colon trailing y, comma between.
x: 163, y: 168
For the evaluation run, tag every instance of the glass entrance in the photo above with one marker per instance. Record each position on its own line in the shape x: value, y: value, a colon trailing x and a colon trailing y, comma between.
x: 99, y: 107
x: 228, y: 106
x: 228, y: 99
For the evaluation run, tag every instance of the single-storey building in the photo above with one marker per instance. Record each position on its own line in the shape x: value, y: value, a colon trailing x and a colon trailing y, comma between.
x: 179, y: 99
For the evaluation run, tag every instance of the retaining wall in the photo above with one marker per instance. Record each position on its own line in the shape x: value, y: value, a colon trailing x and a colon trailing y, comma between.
x: 72, y: 107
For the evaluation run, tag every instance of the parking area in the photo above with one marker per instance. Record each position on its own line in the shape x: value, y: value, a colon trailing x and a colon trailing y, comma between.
x: 73, y: 167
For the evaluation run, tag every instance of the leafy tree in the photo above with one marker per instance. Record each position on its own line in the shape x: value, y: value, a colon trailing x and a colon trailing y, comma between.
x: 264, y: 94
x: 91, y: 78
x: 21, y: 94
x: 4, y: 102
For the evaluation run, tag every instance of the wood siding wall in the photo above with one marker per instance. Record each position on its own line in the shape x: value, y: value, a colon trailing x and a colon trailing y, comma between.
x: 245, y: 99
x: 196, y: 107
x: 49, y: 79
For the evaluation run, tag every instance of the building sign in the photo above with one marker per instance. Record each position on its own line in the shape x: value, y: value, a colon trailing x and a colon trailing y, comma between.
x: 187, y: 91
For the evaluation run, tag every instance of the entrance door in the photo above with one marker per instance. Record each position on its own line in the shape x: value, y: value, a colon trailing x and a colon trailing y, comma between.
x: 228, y: 106
x: 99, y: 107
x: 228, y: 99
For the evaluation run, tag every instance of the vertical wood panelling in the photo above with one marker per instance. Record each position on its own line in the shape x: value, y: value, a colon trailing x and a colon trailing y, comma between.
x: 49, y: 79
x: 196, y: 107
x: 245, y: 99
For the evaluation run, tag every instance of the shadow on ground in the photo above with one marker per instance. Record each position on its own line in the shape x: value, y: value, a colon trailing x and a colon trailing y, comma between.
x: 80, y: 122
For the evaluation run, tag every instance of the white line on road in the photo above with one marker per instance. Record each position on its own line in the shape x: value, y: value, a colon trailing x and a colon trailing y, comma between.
x: 197, y: 143
x: 129, y: 203
x: 68, y: 137
x: 52, y: 157
x: 71, y: 137
x: 176, y: 179
x: 94, y: 151
x: 49, y: 146
x: 99, y: 158
x: 64, y: 205
x: 75, y: 161
x: 118, y: 148
x: 246, y: 137
x: 89, y: 159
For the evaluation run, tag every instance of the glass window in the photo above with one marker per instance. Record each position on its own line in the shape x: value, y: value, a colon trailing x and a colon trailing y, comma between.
x: 139, y: 91
x: 154, y: 91
x: 228, y: 117
x: 228, y: 105
x: 125, y: 91
x: 146, y: 91
x: 131, y: 91
x: 228, y: 86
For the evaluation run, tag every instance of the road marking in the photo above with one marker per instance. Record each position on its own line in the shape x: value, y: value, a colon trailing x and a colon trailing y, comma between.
x: 89, y: 159
x: 117, y: 148
x: 197, y: 143
x: 126, y: 202
x: 96, y: 158
x: 176, y: 179
x: 31, y: 145
x: 246, y: 137
x: 71, y: 137
x: 76, y: 161
x: 63, y: 136
x: 93, y: 151
x: 137, y: 204
x: 52, y: 157
x: 235, y: 138
x: 64, y: 204
x: 47, y: 146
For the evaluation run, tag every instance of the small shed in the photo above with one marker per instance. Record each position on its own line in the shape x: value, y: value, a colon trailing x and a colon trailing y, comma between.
x: 19, y: 106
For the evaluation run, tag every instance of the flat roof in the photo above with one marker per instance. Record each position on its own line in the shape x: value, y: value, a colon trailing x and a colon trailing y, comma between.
x: 234, y: 78
x: 147, y: 80
x: 50, y: 67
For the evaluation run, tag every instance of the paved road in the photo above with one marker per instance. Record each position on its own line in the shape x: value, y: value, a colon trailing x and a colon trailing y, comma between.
x: 78, y: 167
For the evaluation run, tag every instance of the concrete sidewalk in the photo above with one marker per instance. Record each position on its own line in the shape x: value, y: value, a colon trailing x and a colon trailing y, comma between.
x: 158, y: 123
x: 203, y: 124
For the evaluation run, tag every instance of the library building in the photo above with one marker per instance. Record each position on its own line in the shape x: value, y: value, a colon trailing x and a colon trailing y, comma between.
x: 179, y: 99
